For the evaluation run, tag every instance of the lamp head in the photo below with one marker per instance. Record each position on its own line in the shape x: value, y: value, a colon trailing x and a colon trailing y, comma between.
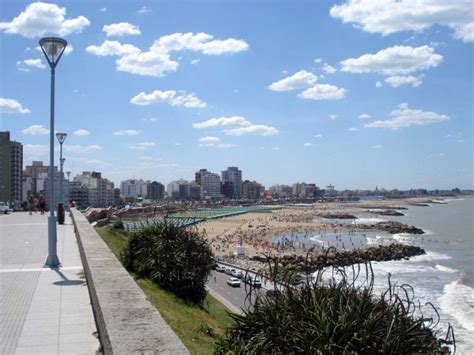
x: 61, y: 137
x: 53, y: 48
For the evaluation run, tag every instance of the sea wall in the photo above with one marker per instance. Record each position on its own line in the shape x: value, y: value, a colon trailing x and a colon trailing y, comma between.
x: 127, y: 322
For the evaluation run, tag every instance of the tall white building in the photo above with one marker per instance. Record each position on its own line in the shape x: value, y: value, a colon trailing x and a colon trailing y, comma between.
x: 177, y: 189
x: 91, y: 189
x: 133, y: 188
x: 234, y: 176
x: 210, y: 186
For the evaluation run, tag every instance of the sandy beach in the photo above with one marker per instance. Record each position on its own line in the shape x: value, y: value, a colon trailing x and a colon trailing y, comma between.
x: 257, y: 230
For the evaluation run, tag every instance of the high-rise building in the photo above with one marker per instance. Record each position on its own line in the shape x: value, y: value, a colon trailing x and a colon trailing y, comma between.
x: 11, y: 165
x: 252, y: 190
x: 233, y: 175
x: 198, y: 174
x: 155, y: 191
x: 91, y: 189
x: 174, y: 187
x: 227, y: 189
x: 281, y: 190
x: 210, y: 185
x: 133, y: 188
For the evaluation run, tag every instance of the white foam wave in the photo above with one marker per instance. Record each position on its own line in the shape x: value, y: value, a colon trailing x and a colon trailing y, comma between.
x: 445, y: 269
x: 368, y: 220
x: 457, y: 300
x: 430, y: 256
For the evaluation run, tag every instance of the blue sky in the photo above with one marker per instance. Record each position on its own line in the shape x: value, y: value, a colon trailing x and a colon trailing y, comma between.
x: 353, y: 93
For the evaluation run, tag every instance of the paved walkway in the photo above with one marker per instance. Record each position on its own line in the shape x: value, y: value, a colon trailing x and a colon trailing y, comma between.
x: 42, y: 311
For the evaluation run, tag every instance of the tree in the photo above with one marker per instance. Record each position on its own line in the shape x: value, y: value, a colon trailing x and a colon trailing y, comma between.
x: 178, y: 259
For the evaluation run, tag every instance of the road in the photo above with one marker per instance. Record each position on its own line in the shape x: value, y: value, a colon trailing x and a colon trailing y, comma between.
x: 237, y: 296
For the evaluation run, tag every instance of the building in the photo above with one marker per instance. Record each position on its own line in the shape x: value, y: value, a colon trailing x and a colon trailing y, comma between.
x: 91, y: 189
x: 210, y: 185
x: 133, y: 188
x: 11, y: 165
x: 198, y: 174
x: 155, y: 191
x: 33, y: 178
x: 299, y: 189
x: 176, y: 188
x: 43, y: 180
x: 252, y: 190
x: 227, y: 189
x: 234, y: 176
x: 283, y: 191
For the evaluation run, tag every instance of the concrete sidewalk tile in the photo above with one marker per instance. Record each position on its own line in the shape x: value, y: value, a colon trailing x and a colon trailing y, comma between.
x: 80, y: 337
x: 38, y: 340
x: 77, y: 348
x: 29, y: 350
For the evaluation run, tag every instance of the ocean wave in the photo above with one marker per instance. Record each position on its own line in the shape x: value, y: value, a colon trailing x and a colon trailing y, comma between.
x: 368, y: 220
x: 431, y: 255
x: 457, y: 300
x: 445, y: 269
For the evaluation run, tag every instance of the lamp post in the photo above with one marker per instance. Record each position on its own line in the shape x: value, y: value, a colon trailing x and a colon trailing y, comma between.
x: 53, y: 49
x: 61, y: 138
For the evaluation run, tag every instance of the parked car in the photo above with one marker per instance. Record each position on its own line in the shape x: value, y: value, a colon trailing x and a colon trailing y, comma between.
x: 247, y: 279
x: 4, y: 207
x: 257, y: 283
x: 237, y: 273
x: 234, y: 282
x: 220, y: 268
x: 229, y: 271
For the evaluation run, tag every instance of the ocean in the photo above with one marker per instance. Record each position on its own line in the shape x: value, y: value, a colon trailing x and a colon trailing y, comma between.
x: 443, y: 276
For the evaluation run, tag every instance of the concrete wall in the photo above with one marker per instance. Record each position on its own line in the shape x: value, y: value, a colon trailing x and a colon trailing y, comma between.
x: 127, y: 322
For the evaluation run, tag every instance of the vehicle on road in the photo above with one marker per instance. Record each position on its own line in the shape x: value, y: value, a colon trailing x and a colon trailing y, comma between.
x: 220, y: 268
x: 4, y: 207
x: 234, y: 282
x: 247, y: 279
x: 229, y: 271
x: 257, y: 283
x: 237, y: 273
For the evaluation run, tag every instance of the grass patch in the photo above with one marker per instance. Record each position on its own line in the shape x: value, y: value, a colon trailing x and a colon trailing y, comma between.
x: 198, y: 328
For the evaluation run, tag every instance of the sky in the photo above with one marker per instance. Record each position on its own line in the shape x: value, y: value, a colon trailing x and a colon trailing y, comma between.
x: 353, y: 93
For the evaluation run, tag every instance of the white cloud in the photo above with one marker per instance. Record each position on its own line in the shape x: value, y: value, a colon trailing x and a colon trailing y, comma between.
x: 328, y: 68
x: 390, y: 16
x: 11, y: 106
x: 209, y: 139
x: 317, y: 60
x: 397, y: 60
x: 41, y: 18
x: 218, y: 145
x: 35, y: 130
x: 157, y: 60
x: 223, y: 121
x: 378, y: 84
x: 323, y: 92
x: 195, y: 61
x: 276, y: 148
x: 333, y: 116
x: 364, y: 116
x: 170, y: 97
x: 82, y: 148
x: 35, y: 149
x: 397, y: 80
x: 151, y: 119
x: 113, y: 48
x: 82, y: 132
x: 318, y: 136
x: 352, y: 129
x: 142, y: 146
x: 299, y: 80
x: 103, y: 9
x: 257, y: 130
x: 121, y: 29
x: 403, y: 116
x: 35, y: 63
x: 144, y: 10
x: 127, y: 132
x: 308, y: 144
x: 378, y: 146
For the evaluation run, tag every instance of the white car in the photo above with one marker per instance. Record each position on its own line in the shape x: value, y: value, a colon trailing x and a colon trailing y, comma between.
x: 4, y: 208
x: 234, y: 282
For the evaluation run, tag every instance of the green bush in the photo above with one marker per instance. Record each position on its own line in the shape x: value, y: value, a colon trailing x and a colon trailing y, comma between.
x: 176, y: 258
x: 118, y: 225
x: 333, y: 317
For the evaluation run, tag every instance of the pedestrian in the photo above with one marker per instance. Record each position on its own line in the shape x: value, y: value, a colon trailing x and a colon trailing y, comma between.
x: 31, y: 204
x: 42, y: 204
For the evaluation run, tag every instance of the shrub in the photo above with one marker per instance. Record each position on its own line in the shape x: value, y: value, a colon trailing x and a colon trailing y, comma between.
x: 176, y: 258
x: 334, y: 316
x: 118, y: 225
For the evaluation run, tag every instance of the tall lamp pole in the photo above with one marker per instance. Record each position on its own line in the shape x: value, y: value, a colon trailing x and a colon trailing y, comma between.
x: 61, y: 138
x: 53, y: 49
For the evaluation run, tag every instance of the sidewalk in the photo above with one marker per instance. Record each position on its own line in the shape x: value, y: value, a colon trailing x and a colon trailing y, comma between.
x: 42, y: 311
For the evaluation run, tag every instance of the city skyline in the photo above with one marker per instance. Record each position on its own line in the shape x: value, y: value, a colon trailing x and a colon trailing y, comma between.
x: 157, y: 92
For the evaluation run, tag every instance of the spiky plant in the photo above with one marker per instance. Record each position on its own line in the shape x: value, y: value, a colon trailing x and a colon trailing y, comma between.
x: 333, y: 315
x: 178, y: 259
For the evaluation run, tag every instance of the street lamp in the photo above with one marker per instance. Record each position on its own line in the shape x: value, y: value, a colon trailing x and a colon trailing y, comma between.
x: 53, y: 48
x: 61, y: 138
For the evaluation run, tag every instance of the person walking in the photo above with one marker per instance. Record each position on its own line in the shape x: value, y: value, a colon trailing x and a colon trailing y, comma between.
x: 31, y: 204
x: 42, y: 204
